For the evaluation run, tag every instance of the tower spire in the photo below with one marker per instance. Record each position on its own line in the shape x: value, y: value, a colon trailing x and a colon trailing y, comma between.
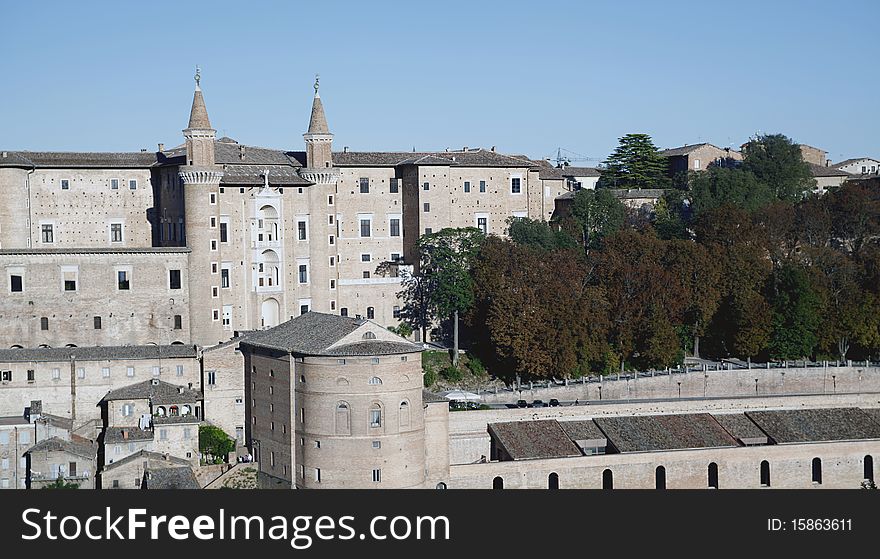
x: 318, y: 122
x: 198, y: 115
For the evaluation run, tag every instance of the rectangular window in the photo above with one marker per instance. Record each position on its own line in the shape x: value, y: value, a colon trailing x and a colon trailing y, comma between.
x: 97, y: 322
x: 213, y: 222
x: 212, y: 378
x: 122, y: 280
x: 178, y: 322
x: 6, y: 376
x: 227, y: 317
x: 80, y: 373
x: 224, y: 277
x: 426, y: 186
x: 65, y: 184
x: 15, y: 283
x: 377, y: 444
x: 31, y: 376
x: 105, y: 372
x: 56, y: 374
x: 482, y: 186
x: 366, y: 226
x: 180, y: 370
x: 114, y: 184
x: 515, y: 185
x: 343, y: 311
x: 377, y: 475
x: 301, y: 230
x: 303, y: 273
x: 163, y: 434
x: 333, y: 284
x: 174, y: 279
x: 365, y: 257
x: 224, y: 232
x: 332, y: 239
x: 394, y: 185
x: 329, y: 200
x: 47, y: 233
x: 395, y: 227
x: 467, y: 186
x: 303, y: 309
x: 428, y: 230
x: 365, y: 185
x: 115, y: 232
x: 129, y: 371
x: 330, y: 219
x: 375, y: 418
x: 318, y: 475
x: 132, y: 184
x: 155, y: 371
x: 482, y: 226
x: 366, y: 275
x: 396, y: 311
x: 427, y: 207
x: 332, y: 261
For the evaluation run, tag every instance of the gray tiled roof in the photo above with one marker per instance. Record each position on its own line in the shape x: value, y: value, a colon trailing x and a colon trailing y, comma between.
x: 741, y: 427
x: 171, y: 478
x: 147, y: 455
x: 685, y: 149
x: 253, y: 175
x: 97, y: 353
x: 585, y: 430
x: 313, y: 333
x: 12, y: 159
x: 525, y: 440
x: 579, y: 171
x: 813, y: 425
x: 471, y: 158
x: 431, y: 397
x: 71, y: 159
x: 13, y: 420
x: 82, y: 447
x: 665, y: 432
x: 826, y: 171
x: 133, y: 434
x: 231, y: 154
x: 157, y: 391
x: 846, y: 162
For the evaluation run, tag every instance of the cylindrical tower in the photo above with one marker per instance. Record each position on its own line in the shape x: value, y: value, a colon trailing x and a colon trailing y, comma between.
x: 364, y: 421
x: 201, y: 180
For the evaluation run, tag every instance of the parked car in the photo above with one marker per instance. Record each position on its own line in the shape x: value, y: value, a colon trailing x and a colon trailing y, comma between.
x: 554, y: 402
x: 522, y: 404
x: 539, y: 404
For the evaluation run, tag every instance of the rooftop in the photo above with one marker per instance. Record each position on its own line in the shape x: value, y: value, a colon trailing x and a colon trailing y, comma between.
x: 814, y: 425
x: 97, y: 353
x: 181, y: 477
x: 82, y: 447
x: 147, y: 455
x: 155, y: 390
x: 126, y: 434
x: 569, y: 171
x: 315, y: 333
x: 826, y: 171
x: 79, y: 159
x: 526, y: 440
x: 741, y: 427
x: 647, y: 433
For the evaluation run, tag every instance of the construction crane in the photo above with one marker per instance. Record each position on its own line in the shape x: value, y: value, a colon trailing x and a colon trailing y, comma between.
x: 565, y: 157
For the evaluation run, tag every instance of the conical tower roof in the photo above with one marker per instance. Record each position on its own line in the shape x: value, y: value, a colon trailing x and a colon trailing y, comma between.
x: 318, y: 122
x: 198, y: 115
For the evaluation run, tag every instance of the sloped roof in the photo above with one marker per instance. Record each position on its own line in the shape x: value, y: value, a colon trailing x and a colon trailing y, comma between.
x: 477, y: 157
x: 814, y: 425
x: 181, y: 477
x: 846, y: 162
x: 82, y: 447
x: 685, y: 149
x: 97, y: 353
x: 526, y: 440
x: 826, y: 171
x: 582, y: 430
x: 131, y: 434
x: 79, y: 159
x: 431, y: 397
x: 279, y: 175
x: 665, y: 432
x: 157, y: 391
x: 198, y: 115
x: 569, y: 171
x: 317, y: 120
x: 741, y: 427
x: 313, y: 333
x: 146, y: 454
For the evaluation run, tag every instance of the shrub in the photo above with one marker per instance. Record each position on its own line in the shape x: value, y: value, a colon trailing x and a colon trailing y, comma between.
x: 452, y: 374
x: 430, y: 378
x: 476, y: 367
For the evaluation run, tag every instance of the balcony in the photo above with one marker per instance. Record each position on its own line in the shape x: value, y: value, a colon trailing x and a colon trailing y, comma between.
x: 266, y: 244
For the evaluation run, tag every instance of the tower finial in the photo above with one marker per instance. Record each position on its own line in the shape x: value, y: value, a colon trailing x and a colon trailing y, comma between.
x: 317, y: 83
x: 198, y: 77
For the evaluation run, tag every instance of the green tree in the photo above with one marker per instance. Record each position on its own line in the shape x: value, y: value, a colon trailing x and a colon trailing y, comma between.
x: 214, y: 442
x: 61, y: 484
x: 796, y: 314
x: 538, y: 234
x: 671, y: 216
x: 777, y: 162
x: 443, y: 284
x: 597, y: 214
x: 635, y: 163
x: 717, y: 186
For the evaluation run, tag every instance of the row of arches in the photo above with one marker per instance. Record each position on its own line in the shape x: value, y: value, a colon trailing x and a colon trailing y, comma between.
x: 711, y: 474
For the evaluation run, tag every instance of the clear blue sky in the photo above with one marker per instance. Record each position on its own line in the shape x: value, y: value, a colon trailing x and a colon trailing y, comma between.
x: 526, y: 77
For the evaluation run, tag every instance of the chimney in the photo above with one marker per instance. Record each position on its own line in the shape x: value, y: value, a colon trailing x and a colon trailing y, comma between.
x: 465, y: 148
x: 190, y: 385
x: 125, y: 434
x: 240, y: 151
x: 161, y: 146
x: 143, y: 150
x: 180, y: 390
x: 345, y: 149
x: 4, y: 154
x: 155, y: 382
x: 493, y: 149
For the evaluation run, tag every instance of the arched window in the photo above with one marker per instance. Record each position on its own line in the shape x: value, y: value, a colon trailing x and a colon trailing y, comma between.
x: 765, y: 473
x: 375, y: 380
x: 160, y: 411
x: 44, y: 323
x: 302, y: 379
x: 369, y: 336
x: 16, y: 346
x: 375, y: 415
x: 553, y: 481
x: 660, y: 477
x: 404, y: 414
x: 607, y: 480
x: 498, y: 483
x: 343, y: 418
x: 441, y: 485
x: 713, y: 475
x: 70, y: 345
x: 185, y: 410
x: 869, y: 467
x: 371, y: 313
x: 817, y: 471
x: 173, y: 411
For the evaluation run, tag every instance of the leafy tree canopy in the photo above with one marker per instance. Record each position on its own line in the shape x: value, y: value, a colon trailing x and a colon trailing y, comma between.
x: 777, y: 162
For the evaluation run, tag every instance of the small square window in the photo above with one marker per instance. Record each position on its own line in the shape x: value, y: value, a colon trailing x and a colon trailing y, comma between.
x: 132, y: 184
x: 365, y: 257
x: 114, y: 184
x: 377, y: 444
x: 65, y: 184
